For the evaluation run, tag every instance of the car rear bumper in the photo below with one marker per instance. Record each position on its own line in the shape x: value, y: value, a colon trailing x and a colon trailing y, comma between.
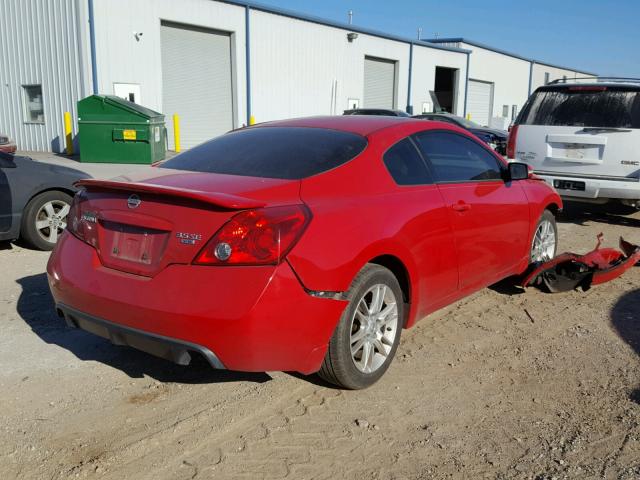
x: 8, y: 147
x: 241, y: 318
x: 164, y: 347
x: 595, y: 187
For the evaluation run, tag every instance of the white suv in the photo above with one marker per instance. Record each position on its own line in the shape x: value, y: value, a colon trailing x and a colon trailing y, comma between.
x: 583, y: 137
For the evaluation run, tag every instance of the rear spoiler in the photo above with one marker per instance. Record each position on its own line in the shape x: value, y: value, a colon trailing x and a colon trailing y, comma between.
x: 224, y: 200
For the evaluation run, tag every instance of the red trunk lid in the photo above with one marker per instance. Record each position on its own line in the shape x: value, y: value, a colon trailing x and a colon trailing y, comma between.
x: 143, y: 224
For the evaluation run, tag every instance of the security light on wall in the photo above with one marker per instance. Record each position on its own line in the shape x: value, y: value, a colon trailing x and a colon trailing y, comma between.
x: 351, y: 36
x: 137, y: 36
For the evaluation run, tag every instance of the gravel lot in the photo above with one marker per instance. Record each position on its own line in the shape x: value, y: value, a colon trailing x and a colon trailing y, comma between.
x: 500, y: 385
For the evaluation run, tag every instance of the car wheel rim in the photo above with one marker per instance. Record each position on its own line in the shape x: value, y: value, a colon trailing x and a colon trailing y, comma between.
x: 543, y: 247
x: 374, y: 328
x: 51, y: 220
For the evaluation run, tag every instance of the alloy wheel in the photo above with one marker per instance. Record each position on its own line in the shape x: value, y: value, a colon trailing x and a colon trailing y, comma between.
x: 374, y: 328
x: 51, y: 220
x: 544, y: 242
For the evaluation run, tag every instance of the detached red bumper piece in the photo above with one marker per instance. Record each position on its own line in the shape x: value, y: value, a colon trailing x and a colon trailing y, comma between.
x: 570, y: 271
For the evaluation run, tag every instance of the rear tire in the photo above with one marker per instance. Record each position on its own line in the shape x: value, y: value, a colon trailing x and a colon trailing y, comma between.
x: 368, y: 333
x: 44, y: 219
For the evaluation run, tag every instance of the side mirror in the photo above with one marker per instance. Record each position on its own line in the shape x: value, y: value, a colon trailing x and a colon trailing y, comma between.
x: 6, y: 160
x: 518, y: 171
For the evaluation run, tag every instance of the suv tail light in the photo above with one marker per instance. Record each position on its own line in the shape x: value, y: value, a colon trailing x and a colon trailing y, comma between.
x: 256, y: 237
x: 511, y: 142
x: 587, y: 88
x: 82, y: 223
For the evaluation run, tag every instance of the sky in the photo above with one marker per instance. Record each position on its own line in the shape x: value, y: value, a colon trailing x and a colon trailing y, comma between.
x: 594, y: 35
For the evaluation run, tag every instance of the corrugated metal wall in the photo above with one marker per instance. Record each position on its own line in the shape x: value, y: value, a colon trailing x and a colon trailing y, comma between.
x: 298, y: 67
x: 40, y: 45
x: 539, y: 70
x: 121, y: 58
x: 509, y: 75
x: 301, y: 68
x: 425, y: 62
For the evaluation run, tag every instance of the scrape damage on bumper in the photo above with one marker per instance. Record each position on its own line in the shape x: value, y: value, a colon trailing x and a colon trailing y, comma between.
x: 570, y: 271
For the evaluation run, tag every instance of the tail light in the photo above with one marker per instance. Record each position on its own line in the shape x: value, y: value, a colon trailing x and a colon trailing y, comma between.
x: 587, y: 88
x: 256, y: 237
x: 81, y: 222
x: 511, y: 142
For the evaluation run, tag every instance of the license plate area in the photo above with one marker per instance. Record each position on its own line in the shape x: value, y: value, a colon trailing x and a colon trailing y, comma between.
x: 131, y: 248
x: 563, y: 148
x: 579, y: 151
x: 569, y: 185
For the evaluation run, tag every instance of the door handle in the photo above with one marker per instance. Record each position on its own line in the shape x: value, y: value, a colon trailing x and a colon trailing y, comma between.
x: 461, y: 207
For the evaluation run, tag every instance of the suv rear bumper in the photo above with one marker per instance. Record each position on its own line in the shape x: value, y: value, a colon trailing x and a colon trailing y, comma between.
x: 595, y: 187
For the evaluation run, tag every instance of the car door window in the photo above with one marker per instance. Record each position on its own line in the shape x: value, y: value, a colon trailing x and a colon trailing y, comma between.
x: 405, y: 164
x: 455, y: 158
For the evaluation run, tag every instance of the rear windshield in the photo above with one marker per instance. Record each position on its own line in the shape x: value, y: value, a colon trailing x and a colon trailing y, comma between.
x: 272, y: 152
x: 609, y: 107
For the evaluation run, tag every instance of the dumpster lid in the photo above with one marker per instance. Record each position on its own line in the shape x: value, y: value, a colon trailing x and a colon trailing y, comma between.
x: 109, y: 103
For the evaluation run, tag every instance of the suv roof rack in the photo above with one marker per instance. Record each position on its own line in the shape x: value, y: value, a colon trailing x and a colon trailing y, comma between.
x: 596, y: 80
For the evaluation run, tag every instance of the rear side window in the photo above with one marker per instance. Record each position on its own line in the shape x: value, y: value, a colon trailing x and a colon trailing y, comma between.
x: 289, y: 153
x: 608, y: 107
x: 405, y: 164
x: 455, y: 158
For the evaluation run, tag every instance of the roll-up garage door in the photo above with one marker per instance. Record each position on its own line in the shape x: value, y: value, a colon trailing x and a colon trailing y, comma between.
x: 480, y: 101
x: 196, y: 82
x: 379, y: 83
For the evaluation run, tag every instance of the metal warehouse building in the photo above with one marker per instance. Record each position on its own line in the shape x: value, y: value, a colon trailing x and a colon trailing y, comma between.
x: 500, y: 82
x: 218, y: 63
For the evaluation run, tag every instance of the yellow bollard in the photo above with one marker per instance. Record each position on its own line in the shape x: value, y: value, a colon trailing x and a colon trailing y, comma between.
x: 468, y: 116
x: 176, y: 132
x: 252, y: 120
x: 68, y: 133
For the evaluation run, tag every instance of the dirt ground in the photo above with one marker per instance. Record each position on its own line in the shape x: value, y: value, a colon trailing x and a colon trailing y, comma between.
x: 500, y: 385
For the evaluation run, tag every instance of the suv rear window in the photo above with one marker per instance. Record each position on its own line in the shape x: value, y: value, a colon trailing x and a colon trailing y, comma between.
x: 579, y: 106
x: 289, y: 153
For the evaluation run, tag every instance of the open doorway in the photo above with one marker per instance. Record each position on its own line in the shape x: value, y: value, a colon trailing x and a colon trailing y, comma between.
x: 445, y: 88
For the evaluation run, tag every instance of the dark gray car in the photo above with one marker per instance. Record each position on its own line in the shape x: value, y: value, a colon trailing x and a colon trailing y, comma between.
x: 496, y: 139
x: 34, y: 200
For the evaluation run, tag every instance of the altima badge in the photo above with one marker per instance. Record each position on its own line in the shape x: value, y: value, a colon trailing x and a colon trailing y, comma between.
x: 134, y: 201
x: 188, y: 238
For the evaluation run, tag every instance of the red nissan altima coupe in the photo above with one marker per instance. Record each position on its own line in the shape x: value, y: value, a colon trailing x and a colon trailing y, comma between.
x: 302, y: 245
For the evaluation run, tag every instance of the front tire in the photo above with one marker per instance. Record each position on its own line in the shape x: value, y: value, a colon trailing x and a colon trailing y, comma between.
x: 545, y: 239
x: 45, y: 218
x: 368, y: 333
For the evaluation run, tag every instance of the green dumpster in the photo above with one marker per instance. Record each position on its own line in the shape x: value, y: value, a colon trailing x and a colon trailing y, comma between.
x: 113, y: 130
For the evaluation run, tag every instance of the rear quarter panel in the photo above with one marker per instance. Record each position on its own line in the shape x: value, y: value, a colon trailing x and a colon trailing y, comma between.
x: 31, y: 178
x: 25, y: 181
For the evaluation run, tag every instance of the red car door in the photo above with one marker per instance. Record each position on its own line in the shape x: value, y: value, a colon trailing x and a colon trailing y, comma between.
x: 429, y: 233
x: 490, y: 217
